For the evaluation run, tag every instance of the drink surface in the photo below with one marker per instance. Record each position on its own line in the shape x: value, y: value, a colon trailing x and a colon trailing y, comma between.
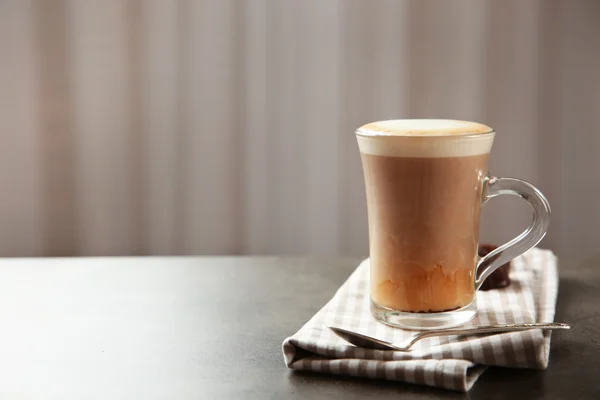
x: 423, y: 127
x: 425, y: 138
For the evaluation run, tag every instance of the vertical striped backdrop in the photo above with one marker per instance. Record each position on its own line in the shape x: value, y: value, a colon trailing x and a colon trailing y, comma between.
x: 226, y: 127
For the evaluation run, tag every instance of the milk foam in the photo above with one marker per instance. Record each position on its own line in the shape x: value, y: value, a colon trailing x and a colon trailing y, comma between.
x: 425, y: 138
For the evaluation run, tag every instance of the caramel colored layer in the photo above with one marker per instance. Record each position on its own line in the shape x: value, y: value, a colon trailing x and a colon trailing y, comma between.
x: 421, y: 290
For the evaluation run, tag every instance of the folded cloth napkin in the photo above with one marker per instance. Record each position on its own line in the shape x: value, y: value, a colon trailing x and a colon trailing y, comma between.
x: 445, y: 362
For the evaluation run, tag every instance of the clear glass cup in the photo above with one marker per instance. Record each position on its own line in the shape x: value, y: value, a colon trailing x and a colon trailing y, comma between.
x: 425, y: 188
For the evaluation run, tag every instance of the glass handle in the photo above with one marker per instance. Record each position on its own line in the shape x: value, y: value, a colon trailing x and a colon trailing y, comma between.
x: 526, y: 240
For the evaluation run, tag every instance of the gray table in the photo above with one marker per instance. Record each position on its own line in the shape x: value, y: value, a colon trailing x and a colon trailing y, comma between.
x: 212, y: 328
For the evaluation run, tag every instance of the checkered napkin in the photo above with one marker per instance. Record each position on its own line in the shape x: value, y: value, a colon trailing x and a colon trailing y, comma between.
x: 445, y: 362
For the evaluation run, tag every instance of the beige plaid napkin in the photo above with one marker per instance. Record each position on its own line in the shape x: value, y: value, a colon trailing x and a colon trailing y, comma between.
x: 443, y: 361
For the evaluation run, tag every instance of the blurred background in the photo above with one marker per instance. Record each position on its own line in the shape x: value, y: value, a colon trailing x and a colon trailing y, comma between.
x: 227, y: 127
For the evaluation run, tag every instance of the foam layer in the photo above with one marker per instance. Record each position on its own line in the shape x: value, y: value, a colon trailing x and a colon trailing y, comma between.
x: 425, y: 138
x: 423, y: 127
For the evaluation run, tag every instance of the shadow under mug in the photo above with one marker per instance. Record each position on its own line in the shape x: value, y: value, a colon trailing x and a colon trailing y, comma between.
x: 424, y: 198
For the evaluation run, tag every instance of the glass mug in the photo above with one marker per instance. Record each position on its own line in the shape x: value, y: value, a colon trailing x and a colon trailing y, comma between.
x: 426, y: 181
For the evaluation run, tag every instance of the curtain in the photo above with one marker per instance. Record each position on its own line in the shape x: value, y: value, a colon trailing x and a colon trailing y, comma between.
x: 227, y: 127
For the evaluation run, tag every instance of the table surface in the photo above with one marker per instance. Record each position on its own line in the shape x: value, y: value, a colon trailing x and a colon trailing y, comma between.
x: 212, y: 327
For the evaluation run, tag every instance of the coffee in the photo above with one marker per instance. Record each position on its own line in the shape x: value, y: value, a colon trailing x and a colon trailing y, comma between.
x: 424, y: 198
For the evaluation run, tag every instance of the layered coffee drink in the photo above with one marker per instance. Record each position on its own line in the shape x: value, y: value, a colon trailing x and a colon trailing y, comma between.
x: 424, y: 198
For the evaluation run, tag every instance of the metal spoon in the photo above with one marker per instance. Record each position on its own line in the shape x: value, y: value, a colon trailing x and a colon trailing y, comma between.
x: 369, y: 342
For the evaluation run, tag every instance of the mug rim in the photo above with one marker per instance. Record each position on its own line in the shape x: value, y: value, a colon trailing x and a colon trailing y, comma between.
x: 384, y: 135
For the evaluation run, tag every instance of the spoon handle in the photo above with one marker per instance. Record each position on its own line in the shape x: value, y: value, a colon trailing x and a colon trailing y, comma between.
x: 491, y: 329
